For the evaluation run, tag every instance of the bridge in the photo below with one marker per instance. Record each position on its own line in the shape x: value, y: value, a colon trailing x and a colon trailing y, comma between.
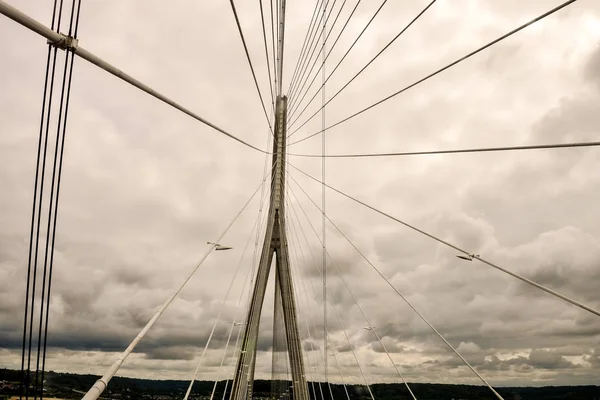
x: 305, y: 352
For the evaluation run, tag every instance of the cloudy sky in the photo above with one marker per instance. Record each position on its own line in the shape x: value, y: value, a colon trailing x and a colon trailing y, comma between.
x: 145, y: 187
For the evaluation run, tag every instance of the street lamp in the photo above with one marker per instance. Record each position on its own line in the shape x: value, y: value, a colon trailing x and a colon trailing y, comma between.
x: 219, y: 247
x: 468, y: 257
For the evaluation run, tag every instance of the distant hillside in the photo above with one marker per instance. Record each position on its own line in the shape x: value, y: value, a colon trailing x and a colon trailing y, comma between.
x: 70, y: 386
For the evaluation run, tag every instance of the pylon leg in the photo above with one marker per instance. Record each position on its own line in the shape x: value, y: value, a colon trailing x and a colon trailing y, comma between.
x: 294, y: 344
x: 279, y: 363
x: 244, y: 375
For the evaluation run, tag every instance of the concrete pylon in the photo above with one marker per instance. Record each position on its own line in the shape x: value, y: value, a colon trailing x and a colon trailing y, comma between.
x: 275, y: 244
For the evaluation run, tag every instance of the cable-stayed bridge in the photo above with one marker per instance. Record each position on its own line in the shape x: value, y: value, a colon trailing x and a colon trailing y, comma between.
x: 283, y: 226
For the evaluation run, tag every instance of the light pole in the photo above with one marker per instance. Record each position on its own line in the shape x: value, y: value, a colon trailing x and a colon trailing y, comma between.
x: 219, y: 247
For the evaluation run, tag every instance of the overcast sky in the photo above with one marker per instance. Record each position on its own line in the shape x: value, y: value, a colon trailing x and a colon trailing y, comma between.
x: 145, y: 187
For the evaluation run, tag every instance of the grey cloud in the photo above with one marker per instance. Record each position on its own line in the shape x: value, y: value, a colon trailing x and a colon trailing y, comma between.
x: 343, y: 348
x: 592, y: 68
x: 310, y: 345
x: 390, y: 346
x: 593, y: 358
x: 538, y: 358
x: 549, y: 360
x: 170, y: 353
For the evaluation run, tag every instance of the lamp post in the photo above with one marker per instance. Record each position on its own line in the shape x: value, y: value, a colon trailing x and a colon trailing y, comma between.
x: 219, y: 247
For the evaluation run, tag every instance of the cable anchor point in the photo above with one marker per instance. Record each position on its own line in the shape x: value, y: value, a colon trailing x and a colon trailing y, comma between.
x: 65, y: 43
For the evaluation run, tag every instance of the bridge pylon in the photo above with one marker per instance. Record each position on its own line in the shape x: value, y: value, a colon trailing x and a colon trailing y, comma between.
x: 275, y: 244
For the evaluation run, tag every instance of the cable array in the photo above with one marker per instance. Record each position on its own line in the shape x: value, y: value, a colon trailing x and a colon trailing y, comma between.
x: 218, y: 318
x: 452, y: 64
x: 314, y: 45
x: 264, y: 32
x: 293, y: 103
x: 362, y: 69
x: 309, y: 33
x: 485, y: 382
x: 369, y: 324
x: 295, y: 250
x: 97, y: 389
x: 314, y: 63
x: 34, y: 344
x: 338, y: 64
x: 465, y: 252
x: 300, y: 278
x: 319, y: 271
x: 242, y: 354
x: 237, y: 22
